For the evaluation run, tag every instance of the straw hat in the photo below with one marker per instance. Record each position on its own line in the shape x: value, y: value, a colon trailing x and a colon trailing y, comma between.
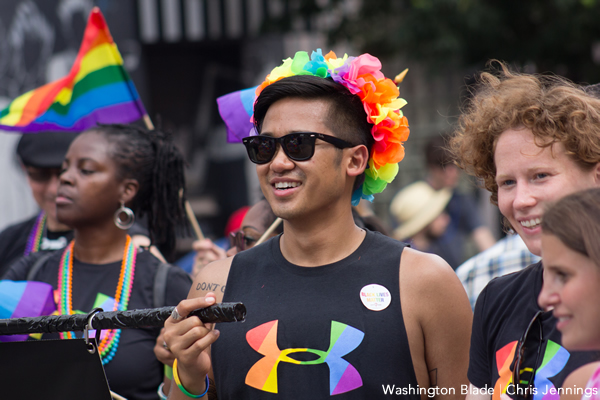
x: 416, y: 206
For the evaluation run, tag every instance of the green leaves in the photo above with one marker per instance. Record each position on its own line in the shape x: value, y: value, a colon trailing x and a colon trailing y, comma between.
x: 552, y: 35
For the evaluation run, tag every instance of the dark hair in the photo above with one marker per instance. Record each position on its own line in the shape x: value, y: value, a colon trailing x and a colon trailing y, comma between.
x: 436, y: 152
x: 151, y: 158
x: 575, y: 221
x: 346, y: 115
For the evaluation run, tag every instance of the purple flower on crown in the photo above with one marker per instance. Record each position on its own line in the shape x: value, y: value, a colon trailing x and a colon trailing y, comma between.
x: 339, y: 75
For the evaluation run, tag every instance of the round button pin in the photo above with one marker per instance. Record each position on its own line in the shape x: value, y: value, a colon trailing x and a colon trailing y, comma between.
x: 375, y: 297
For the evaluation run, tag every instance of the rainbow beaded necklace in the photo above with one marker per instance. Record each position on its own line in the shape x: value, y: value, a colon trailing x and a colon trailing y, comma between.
x: 35, y: 236
x: 109, y: 344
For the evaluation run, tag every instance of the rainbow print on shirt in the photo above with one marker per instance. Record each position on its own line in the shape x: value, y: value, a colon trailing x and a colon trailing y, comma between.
x: 103, y: 301
x: 555, y: 359
x: 343, y: 377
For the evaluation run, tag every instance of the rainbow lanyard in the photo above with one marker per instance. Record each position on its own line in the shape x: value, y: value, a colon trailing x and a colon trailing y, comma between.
x: 109, y: 344
x: 35, y: 236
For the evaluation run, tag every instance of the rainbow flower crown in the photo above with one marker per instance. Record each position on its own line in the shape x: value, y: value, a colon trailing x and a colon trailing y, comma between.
x: 362, y: 76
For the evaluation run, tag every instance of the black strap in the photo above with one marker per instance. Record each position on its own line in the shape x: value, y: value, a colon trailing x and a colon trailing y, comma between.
x: 38, y: 264
x: 160, y: 285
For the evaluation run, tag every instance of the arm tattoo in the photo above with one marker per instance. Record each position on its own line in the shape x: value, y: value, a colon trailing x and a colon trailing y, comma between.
x: 210, y: 287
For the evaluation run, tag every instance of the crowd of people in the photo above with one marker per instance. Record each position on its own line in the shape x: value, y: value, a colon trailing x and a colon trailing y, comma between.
x: 337, y: 304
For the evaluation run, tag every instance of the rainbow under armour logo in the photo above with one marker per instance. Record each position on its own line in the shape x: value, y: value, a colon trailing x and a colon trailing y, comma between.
x: 555, y: 359
x: 343, y: 377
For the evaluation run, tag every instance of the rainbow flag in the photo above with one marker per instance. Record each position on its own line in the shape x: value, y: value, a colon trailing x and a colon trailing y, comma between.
x: 236, y: 110
x: 98, y: 89
x: 24, y: 299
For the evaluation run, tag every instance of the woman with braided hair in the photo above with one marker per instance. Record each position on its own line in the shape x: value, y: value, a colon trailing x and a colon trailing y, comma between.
x: 111, y: 174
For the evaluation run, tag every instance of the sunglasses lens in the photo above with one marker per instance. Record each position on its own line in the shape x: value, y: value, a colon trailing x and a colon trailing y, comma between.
x: 260, y: 149
x: 299, y: 147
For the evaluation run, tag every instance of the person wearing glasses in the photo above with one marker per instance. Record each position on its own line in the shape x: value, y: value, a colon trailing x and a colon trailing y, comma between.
x: 257, y: 220
x: 333, y: 309
x: 531, y: 140
x: 571, y: 253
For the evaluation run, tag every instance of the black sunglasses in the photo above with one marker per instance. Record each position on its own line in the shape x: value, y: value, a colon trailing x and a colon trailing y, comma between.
x: 298, y: 146
x: 524, y: 377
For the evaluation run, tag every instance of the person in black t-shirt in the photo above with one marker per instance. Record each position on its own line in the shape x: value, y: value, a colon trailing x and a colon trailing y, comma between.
x: 531, y: 140
x: 41, y: 156
x: 110, y: 174
x: 322, y: 144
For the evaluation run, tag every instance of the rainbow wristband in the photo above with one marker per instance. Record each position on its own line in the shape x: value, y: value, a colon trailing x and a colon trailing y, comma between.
x: 180, y: 386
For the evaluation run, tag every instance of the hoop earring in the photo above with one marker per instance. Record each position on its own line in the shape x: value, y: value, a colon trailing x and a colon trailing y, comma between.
x: 130, y: 217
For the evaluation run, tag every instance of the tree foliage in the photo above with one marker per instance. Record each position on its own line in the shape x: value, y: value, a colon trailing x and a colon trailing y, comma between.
x: 552, y: 35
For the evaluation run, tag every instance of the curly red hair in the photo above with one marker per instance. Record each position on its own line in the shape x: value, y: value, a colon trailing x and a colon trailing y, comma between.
x: 553, y: 108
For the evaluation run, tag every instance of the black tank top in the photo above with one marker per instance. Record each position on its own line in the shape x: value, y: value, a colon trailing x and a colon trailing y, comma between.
x: 312, y: 333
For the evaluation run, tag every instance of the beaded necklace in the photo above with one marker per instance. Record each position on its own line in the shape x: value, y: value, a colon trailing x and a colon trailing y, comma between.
x: 35, y: 236
x: 109, y: 344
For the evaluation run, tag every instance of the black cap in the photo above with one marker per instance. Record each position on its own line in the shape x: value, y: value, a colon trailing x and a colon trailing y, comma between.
x: 45, y: 149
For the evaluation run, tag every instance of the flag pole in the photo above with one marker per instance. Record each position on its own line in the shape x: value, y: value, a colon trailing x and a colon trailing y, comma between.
x: 268, y: 232
x: 188, y: 207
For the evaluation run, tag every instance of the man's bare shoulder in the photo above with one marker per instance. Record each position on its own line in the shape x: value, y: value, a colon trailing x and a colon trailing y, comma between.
x: 211, y: 278
x: 432, y: 281
x: 424, y: 269
x: 438, y: 319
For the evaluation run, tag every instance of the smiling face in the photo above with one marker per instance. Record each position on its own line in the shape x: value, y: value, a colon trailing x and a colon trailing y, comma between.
x: 89, y: 191
x: 296, y: 189
x: 530, y: 177
x: 572, y: 289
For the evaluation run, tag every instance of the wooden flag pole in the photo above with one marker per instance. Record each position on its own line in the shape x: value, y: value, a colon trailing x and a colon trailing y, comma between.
x: 268, y: 232
x: 192, y: 217
x: 188, y: 207
x: 116, y: 396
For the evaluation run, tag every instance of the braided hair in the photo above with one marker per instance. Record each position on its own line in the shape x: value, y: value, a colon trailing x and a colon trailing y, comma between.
x: 151, y: 158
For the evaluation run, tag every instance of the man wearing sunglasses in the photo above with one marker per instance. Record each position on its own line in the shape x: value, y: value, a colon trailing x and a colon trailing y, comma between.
x: 41, y: 157
x: 333, y: 309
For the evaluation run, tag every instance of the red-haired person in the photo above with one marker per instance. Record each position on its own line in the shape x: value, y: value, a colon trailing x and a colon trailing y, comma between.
x: 531, y: 140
